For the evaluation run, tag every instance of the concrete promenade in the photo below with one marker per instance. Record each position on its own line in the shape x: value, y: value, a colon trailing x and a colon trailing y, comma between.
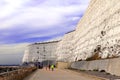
x: 58, y: 74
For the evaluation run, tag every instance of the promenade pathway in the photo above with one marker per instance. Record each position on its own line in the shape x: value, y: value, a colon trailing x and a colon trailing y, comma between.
x: 58, y: 74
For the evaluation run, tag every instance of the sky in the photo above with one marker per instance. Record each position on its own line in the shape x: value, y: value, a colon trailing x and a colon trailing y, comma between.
x: 23, y: 22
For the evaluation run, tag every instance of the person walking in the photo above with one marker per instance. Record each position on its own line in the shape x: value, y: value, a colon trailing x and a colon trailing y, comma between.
x: 52, y: 67
x: 49, y: 67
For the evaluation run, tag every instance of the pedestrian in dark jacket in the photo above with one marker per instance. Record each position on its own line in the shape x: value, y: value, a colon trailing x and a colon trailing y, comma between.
x: 49, y: 66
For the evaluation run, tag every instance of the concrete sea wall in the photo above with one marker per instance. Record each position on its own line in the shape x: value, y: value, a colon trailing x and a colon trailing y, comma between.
x: 17, y: 74
x: 109, y: 65
x: 62, y: 65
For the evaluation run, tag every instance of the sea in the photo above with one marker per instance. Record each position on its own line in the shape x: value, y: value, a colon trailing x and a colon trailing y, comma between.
x: 7, y: 68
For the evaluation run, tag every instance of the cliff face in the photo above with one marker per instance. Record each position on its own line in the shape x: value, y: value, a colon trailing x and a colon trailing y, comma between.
x: 65, y: 47
x: 39, y: 52
x: 97, y: 35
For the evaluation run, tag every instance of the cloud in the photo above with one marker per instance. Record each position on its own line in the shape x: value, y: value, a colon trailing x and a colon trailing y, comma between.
x: 43, y: 16
x: 20, y: 19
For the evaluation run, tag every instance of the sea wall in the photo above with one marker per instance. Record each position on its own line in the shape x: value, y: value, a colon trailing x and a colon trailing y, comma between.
x: 62, y: 65
x: 109, y: 65
x: 17, y: 74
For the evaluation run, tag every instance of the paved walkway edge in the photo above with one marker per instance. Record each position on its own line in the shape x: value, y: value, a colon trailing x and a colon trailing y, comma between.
x: 93, y: 76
